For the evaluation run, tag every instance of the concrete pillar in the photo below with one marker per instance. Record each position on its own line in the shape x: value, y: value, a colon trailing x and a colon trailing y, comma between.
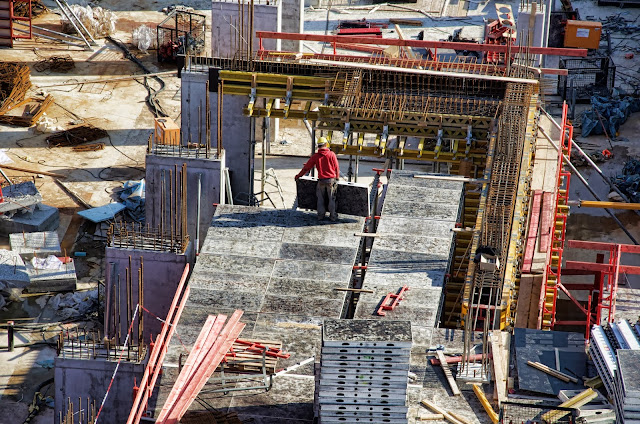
x: 532, y: 23
x: 89, y: 378
x: 162, y: 273
x: 236, y: 129
x: 209, y: 173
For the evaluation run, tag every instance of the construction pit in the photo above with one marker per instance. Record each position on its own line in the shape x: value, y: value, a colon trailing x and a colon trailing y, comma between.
x: 471, y: 219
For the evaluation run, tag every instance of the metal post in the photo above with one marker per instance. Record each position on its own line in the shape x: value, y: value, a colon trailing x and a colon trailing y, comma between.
x: 313, y: 145
x: 198, y: 200
x: 10, y: 330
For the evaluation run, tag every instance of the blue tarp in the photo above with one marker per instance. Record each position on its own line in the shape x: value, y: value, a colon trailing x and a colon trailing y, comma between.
x: 613, y: 112
x: 629, y: 181
x: 102, y: 213
x: 134, y: 197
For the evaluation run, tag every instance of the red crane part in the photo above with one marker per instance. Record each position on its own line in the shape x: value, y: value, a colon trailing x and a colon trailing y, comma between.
x: 258, y: 348
x: 395, y: 300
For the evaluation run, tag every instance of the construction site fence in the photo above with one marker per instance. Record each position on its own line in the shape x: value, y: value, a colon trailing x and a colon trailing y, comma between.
x: 527, y: 413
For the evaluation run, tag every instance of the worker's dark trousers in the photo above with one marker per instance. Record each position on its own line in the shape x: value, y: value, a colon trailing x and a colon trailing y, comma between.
x: 326, y: 192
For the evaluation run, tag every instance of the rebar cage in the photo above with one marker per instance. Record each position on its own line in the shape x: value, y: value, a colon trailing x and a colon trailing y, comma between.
x: 182, y: 32
x: 591, y: 76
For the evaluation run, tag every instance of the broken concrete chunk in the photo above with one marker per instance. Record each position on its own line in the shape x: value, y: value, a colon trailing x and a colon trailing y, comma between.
x: 18, y: 196
x: 41, y: 244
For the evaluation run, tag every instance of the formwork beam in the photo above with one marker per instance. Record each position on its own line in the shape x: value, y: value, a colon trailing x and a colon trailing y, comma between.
x: 425, y: 44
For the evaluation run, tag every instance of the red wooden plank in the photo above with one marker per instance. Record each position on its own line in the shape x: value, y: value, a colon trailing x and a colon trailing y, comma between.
x: 154, y: 365
x: 590, y: 266
x: 209, y: 364
x: 424, y: 44
x: 546, y: 221
x: 532, y: 235
x: 594, y: 245
x: 206, y: 339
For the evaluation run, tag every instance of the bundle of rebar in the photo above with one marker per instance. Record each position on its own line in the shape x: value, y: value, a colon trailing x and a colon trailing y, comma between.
x: 85, y: 413
x: 75, y: 136
x: 21, y: 9
x: 29, y: 118
x: 55, y: 64
x: 14, y: 83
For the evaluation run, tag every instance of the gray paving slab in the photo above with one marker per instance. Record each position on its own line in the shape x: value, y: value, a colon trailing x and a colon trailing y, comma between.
x: 423, y: 194
x: 42, y: 243
x: 306, y: 288
x: 332, y: 237
x: 234, y: 264
x: 51, y: 280
x: 366, y: 330
x: 407, y: 262
x: 231, y: 299
x: 376, y: 278
x: 19, y: 196
x: 229, y: 281
x: 42, y: 218
x: 407, y: 179
x: 244, y: 247
x: 312, y: 270
x: 12, y: 269
x: 424, y: 210
x: 414, y: 226
x: 236, y: 232
x: 415, y: 244
x: 299, y: 305
x: 318, y: 253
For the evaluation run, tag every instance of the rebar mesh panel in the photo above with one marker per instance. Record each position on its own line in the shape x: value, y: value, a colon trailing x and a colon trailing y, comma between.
x: 524, y: 413
x: 588, y: 76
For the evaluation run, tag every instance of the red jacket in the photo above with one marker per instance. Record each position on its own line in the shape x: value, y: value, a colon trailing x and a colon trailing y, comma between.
x: 325, y: 162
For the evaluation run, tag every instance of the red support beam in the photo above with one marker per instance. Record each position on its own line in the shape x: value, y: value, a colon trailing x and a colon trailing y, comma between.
x: 532, y: 235
x: 550, y: 51
x: 605, y: 268
x: 594, y: 245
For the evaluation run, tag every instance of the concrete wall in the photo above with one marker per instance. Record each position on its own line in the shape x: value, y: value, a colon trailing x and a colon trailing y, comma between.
x: 540, y: 26
x: 212, y: 190
x: 82, y: 378
x: 236, y: 130
x: 162, y: 272
x: 227, y: 16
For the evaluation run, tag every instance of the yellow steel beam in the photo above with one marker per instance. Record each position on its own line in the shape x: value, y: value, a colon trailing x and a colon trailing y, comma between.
x: 575, y: 402
x: 610, y: 205
x: 477, y: 389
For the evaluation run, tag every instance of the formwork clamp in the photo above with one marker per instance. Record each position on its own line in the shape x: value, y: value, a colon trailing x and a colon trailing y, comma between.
x: 391, y: 300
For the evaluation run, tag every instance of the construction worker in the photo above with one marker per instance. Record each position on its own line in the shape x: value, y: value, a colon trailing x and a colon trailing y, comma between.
x: 326, y: 163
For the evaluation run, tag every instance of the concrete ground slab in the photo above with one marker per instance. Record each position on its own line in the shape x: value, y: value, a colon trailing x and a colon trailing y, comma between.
x: 393, y: 280
x: 417, y: 227
x: 408, y: 179
x: 409, y: 243
x: 233, y: 299
x: 306, y: 288
x: 395, y: 331
x: 312, y: 270
x: 423, y: 194
x: 42, y: 218
x: 299, y: 305
x: 409, y: 209
x: 235, y: 264
x: 318, y: 253
x: 335, y: 238
x: 41, y: 244
x: 252, y: 248
x: 229, y: 281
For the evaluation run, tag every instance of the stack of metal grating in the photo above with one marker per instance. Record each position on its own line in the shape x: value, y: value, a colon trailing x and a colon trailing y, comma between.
x: 615, y: 350
x: 363, y: 371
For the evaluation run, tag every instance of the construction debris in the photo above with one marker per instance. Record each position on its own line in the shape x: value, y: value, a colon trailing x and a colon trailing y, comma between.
x: 31, y: 113
x: 142, y: 38
x: 629, y: 181
x: 76, y: 135
x: 100, y: 22
x: 608, y: 114
x: 62, y: 63
x: 14, y: 84
x: 22, y: 8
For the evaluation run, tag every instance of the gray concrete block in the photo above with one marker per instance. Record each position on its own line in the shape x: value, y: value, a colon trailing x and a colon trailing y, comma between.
x: 18, y: 196
x: 250, y: 248
x: 306, y: 288
x: 422, y: 195
x: 328, y: 254
x: 407, y: 179
x: 414, y: 226
x: 416, y: 244
x: 312, y: 270
x: 246, y: 301
x: 367, y: 330
x: 42, y: 218
x: 423, y: 210
x: 335, y: 236
x: 51, y: 280
x: 228, y: 281
x: 299, y: 305
x: 351, y: 198
x: 41, y: 244
x: 235, y: 264
x: 12, y: 269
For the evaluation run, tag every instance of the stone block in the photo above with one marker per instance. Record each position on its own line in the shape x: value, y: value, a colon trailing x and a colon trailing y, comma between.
x: 351, y: 198
x: 52, y: 280
x: 12, y: 269
x: 40, y: 244
x: 42, y: 218
x: 18, y: 196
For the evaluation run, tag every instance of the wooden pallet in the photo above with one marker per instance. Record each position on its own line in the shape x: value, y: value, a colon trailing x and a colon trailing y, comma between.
x: 249, y: 361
